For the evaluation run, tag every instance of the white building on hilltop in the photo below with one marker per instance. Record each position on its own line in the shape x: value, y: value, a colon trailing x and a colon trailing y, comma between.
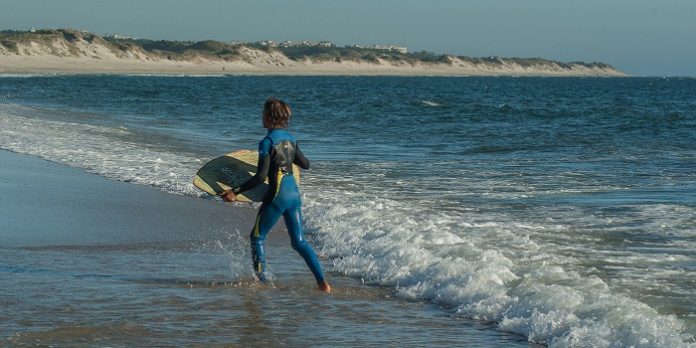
x: 119, y: 37
x: 269, y: 43
x: 400, y: 49
x: 391, y: 48
x: 303, y: 43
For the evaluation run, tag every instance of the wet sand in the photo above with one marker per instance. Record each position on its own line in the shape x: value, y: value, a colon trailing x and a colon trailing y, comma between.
x: 86, y: 261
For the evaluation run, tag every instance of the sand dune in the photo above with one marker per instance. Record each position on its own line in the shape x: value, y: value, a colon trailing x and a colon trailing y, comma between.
x: 74, y: 52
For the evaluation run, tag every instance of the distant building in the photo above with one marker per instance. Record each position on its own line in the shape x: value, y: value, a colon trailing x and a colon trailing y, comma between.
x: 119, y: 37
x: 326, y: 44
x: 303, y: 43
x: 391, y: 48
x: 269, y: 43
x: 400, y: 49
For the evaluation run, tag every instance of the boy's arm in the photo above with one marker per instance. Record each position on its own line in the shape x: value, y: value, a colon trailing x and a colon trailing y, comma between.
x: 264, y: 164
x: 300, y: 159
x: 258, y: 178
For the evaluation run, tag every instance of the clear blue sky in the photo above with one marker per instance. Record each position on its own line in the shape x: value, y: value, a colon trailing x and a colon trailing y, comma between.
x: 641, y: 37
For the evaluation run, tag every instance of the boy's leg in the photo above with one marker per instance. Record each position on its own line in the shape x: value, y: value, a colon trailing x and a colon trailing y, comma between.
x: 267, y: 217
x: 293, y: 222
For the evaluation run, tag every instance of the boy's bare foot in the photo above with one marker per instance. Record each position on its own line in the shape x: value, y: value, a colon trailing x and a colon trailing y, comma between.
x: 325, y: 287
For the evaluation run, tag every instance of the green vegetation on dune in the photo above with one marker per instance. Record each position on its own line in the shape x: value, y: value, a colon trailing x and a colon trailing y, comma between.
x: 325, y: 54
x: 210, y: 49
x: 45, y: 35
x: 339, y: 54
x: 10, y: 39
x: 179, y: 50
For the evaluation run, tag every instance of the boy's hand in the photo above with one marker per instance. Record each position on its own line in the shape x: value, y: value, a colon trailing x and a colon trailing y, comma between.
x: 228, y: 196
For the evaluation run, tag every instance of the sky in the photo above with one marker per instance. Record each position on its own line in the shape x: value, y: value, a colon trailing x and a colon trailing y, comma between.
x: 639, y: 37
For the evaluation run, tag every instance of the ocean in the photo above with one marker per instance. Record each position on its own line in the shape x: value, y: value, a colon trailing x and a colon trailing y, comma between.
x: 561, y: 211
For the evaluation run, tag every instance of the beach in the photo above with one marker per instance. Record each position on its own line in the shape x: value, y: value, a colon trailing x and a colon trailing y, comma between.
x: 260, y: 65
x: 88, y: 261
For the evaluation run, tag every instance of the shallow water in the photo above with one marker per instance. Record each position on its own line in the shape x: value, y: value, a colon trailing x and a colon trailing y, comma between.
x: 177, y: 275
x: 172, y: 277
x: 561, y: 210
x: 143, y: 295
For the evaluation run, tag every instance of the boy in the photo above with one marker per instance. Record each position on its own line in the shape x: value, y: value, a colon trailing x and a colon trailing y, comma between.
x: 278, y: 150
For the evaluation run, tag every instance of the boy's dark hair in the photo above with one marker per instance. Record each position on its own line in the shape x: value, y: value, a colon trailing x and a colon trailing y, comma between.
x: 276, y: 113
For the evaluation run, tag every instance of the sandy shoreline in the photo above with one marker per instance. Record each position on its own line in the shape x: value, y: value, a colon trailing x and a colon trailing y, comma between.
x: 99, y: 60
x: 86, y: 65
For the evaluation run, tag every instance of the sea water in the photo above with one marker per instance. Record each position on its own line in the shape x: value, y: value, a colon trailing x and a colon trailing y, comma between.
x: 562, y: 210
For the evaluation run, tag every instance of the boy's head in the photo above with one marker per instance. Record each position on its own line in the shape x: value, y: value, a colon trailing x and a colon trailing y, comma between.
x: 276, y: 114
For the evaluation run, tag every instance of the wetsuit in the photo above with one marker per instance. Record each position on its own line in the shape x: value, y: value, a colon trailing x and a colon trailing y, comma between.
x: 277, y: 152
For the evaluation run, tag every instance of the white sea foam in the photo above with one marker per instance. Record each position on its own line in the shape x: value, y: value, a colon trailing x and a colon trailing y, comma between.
x: 173, y: 75
x: 430, y: 103
x: 486, y: 268
x: 491, y: 266
x: 9, y: 75
x: 106, y: 151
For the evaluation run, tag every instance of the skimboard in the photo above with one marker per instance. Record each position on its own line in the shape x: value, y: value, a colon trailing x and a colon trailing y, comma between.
x: 231, y: 170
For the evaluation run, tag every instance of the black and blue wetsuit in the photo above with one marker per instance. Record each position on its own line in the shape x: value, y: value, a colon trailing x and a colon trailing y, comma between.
x: 277, y: 152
